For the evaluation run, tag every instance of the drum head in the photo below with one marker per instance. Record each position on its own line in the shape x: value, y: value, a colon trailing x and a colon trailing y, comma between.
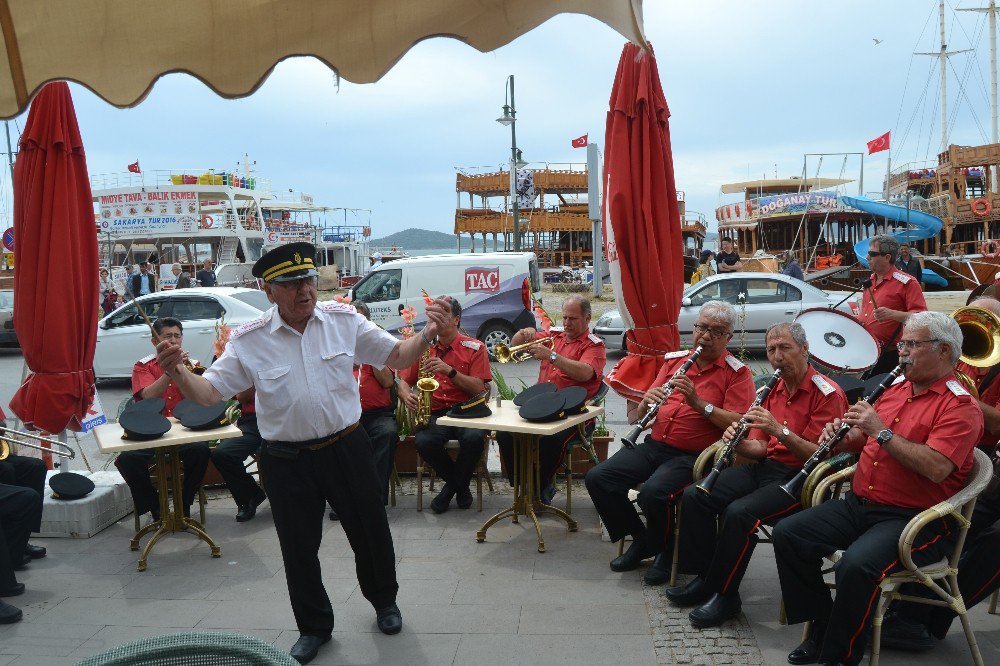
x: 838, y: 341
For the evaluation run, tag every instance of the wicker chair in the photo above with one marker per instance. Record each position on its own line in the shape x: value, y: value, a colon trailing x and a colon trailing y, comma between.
x: 193, y: 649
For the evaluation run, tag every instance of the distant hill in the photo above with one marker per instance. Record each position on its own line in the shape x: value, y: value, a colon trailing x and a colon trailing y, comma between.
x: 419, y: 239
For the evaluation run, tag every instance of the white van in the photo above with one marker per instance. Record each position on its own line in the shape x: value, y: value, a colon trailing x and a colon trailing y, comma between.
x: 497, y: 291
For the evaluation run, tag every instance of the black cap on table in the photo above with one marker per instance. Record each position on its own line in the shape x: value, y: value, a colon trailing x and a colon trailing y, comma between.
x: 530, y: 392
x: 140, y: 424
x: 287, y: 263
x: 544, y: 408
x: 472, y: 409
x: 576, y: 398
x: 198, y: 417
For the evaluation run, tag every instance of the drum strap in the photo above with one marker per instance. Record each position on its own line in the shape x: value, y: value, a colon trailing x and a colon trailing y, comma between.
x: 988, y: 379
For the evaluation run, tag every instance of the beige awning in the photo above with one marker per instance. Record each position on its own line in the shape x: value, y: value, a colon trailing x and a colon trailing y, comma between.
x: 807, y: 183
x: 118, y: 48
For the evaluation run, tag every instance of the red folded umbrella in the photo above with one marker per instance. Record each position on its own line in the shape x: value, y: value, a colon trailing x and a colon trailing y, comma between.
x: 641, y: 221
x: 55, y: 276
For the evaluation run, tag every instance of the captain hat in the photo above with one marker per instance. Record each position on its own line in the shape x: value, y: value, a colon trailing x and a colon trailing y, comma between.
x: 287, y: 263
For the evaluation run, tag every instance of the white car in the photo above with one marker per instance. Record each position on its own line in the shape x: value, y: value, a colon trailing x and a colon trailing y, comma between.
x: 765, y: 298
x: 123, y: 336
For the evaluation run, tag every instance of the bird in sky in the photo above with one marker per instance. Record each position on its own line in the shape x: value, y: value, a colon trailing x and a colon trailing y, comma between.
x: 876, y: 40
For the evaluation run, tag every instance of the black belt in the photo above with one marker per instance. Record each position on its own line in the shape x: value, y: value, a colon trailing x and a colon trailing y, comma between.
x: 316, y: 444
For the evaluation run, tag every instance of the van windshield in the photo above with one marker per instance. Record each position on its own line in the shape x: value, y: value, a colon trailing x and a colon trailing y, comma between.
x: 379, y: 286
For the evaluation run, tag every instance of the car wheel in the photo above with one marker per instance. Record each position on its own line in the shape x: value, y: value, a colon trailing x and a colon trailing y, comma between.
x: 495, y: 334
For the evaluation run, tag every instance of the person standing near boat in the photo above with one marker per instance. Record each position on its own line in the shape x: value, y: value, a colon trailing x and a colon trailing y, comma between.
x: 206, y: 276
x: 144, y: 282
x: 908, y: 263
x: 792, y: 268
x: 728, y: 260
x: 706, y: 268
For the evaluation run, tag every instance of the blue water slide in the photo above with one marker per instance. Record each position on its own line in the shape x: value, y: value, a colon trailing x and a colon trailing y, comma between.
x: 921, y: 226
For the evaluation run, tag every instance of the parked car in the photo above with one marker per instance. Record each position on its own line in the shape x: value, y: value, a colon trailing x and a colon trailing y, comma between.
x: 7, y: 336
x: 123, y: 336
x: 766, y: 298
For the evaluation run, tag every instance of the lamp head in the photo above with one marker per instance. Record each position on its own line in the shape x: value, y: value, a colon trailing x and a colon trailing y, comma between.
x: 519, y: 162
x: 508, y: 118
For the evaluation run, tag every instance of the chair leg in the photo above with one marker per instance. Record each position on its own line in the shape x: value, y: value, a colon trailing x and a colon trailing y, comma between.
x: 880, y: 608
x: 202, y: 501
x: 993, y: 602
x: 621, y: 547
x: 569, y: 481
x: 480, y: 472
x: 970, y: 636
x: 135, y: 513
x: 420, y: 483
x: 675, y: 559
x: 393, y: 482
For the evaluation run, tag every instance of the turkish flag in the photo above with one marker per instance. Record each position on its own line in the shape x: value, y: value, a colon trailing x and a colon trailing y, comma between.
x: 879, y: 144
x: 580, y: 142
x: 134, y: 167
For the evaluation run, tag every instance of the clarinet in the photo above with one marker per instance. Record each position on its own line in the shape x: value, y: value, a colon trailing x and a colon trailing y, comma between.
x: 628, y: 441
x: 742, y: 428
x: 794, y: 485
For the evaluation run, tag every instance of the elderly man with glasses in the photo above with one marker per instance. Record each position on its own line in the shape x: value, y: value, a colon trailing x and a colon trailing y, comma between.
x: 892, y: 297
x: 716, y: 391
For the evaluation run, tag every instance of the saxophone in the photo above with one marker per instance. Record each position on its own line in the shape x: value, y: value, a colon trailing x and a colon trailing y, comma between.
x: 426, y: 385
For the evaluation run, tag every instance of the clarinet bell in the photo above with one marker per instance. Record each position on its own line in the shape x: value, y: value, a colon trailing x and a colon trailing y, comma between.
x: 628, y: 441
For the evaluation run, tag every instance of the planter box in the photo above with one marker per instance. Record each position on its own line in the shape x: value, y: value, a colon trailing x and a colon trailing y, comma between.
x: 406, y: 456
x: 581, y: 464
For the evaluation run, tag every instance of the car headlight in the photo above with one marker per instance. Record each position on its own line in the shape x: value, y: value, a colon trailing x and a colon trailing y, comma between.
x: 604, y: 321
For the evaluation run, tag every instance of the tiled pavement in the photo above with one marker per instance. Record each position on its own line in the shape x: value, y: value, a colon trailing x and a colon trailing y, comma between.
x: 463, y: 602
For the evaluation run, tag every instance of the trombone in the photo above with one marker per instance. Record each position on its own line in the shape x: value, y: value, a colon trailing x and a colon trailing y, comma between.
x: 518, y: 353
x: 5, y: 443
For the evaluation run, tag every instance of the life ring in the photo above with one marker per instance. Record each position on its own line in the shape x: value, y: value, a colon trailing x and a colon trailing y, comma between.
x: 981, y: 207
x: 989, y: 248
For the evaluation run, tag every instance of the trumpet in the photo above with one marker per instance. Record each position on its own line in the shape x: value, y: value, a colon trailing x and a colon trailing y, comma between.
x: 187, y: 363
x: 628, y: 441
x: 518, y: 353
x: 5, y: 443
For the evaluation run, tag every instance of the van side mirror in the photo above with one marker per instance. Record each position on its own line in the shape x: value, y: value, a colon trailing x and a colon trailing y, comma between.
x: 686, y: 301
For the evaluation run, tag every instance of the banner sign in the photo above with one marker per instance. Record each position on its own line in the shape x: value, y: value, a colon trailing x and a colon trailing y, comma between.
x: 778, y: 204
x: 524, y: 185
x: 285, y: 232
x: 479, y: 278
x: 95, y: 415
x: 154, y: 212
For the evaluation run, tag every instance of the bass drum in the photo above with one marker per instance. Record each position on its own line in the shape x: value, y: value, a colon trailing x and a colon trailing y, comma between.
x: 837, y: 341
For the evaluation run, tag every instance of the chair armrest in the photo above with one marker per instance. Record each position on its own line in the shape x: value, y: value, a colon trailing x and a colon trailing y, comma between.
x: 705, y: 460
x: 825, y: 468
x: 823, y: 486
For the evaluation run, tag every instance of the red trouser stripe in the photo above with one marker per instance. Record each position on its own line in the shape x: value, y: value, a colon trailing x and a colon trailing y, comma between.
x: 746, y: 546
x: 972, y: 601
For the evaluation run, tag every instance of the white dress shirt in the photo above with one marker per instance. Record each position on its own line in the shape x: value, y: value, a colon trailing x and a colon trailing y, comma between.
x: 305, y: 382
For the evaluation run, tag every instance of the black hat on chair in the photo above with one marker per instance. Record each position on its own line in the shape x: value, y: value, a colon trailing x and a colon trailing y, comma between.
x: 141, y: 424
x: 70, y: 486
x: 530, y: 392
x: 198, y: 417
x: 544, y: 408
x: 576, y: 399
x: 472, y: 409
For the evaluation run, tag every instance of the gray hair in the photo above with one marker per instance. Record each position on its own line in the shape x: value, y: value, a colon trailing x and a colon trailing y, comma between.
x: 886, y: 244
x: 177, y: 266
x: 941, y: 327
x: 582, y: 301
x: 991, y: 304
x: 794, y: 329
x: 720, y: 311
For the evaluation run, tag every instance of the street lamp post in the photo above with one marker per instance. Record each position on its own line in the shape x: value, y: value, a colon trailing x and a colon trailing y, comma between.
x: 509, y: 118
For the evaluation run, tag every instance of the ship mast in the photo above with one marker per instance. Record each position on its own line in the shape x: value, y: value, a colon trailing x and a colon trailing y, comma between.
x: 943, y: 56
x: 991, y: 12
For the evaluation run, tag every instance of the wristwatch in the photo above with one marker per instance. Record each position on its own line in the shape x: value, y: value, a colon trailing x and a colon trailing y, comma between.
x: 709, y: 408
x: 452, y: 373
x: 785, y: 432
x: 883, y: 437
x: 552, y: 357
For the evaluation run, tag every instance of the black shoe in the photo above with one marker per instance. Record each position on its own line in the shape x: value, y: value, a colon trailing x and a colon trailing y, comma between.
x: 248, y: 511
x: 808, y: 650
x: 15, y: 591
x: 548, y: 494
x: 463, y: 498
x: 23, y: 564
x: 9, y: 614
x: 35, y: 552
x: 692, y: 593
x: 715, y: 611
x: 333, y: 515
x: 631, y: 558
x: 389, y: 620
x: 659, y: 573
x: 155, y: 514
x: 440, y: 503
x: 306, y: 648
x: 900, y: 634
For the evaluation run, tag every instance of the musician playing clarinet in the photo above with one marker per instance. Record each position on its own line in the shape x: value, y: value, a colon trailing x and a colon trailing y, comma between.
x: 716, y: 391
x: 784, y: 433
x: 918, y: 442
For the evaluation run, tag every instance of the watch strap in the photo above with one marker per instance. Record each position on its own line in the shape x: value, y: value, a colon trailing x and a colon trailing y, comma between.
x: 451, y: 375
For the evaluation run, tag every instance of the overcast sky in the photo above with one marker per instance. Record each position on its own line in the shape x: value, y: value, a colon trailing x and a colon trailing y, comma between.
x: 752, y: 85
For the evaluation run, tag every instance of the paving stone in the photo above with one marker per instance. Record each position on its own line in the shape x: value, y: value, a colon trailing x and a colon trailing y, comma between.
x: 620, y: 620
x: 128, y: 612
x: 356, y: 648
x: 485, y: 649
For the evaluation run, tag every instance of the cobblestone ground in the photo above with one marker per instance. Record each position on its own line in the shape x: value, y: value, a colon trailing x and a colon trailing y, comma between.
x: 677, y: 642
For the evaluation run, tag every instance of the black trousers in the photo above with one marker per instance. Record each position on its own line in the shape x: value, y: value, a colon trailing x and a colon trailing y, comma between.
x: 551, y: 453
x: 743, y: 498
x: 230, y: 455
x: 430, y: 444
x: 20, y: 510
x: 383, y: 432
x: 342, y: 474
x: 25, y: 472
x: 664, y: 471
x: 869, y: 534
x: 134, y: 466
x: 978, y: 571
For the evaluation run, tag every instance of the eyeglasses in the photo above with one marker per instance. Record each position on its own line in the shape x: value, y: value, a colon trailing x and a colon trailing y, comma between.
x: 877, y: 254
x: 912, y: 344
x: 713, y: 332
x: 297, y: 284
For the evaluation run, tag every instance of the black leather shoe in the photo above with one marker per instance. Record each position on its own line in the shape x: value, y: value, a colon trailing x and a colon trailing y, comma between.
x: 659, y: 573
x: 715, y: 611
x: 440, y: 503
x: 248, y: 511
x: 808, y: 650
x: 631, y: 558
x: 692, y: 593
x: 333, y: 515
x: 463, y: 498
x: 15, y: 591
x: 35, y: 552
x: 901, y: 634
x: 389, y: 620
x: 23, y: 564
x: 9, y: 614
x: 306, y: 648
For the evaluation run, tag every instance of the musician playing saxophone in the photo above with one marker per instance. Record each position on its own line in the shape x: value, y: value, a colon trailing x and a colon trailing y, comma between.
x: 715, y: 392
x: 918, y: 442
x: 462, y: 368
x: 785, y: 431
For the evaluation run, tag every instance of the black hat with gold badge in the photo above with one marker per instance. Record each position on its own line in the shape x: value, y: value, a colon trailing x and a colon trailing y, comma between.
x: 287, y: 263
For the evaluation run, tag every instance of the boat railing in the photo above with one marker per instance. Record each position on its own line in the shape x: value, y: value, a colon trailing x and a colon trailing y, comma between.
x: 167, y: 178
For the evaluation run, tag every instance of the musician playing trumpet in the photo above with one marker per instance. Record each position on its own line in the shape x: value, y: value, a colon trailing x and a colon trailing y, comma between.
x: 784, y: 433
x: 716, y: 391
x: 918, y: 442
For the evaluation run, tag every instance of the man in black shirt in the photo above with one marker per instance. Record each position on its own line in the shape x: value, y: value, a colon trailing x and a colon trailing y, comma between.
x: 907, y: 263
x: 206, y: 276
x: 727, y: 260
